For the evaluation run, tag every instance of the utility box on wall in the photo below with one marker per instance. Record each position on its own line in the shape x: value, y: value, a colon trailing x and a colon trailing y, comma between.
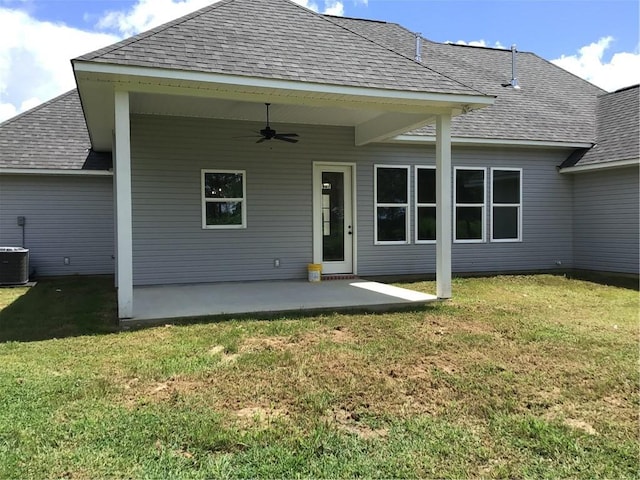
x: 14, y: 265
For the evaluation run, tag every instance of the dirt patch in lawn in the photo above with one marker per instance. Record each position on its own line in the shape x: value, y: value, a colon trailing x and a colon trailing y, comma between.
x: 138, y: 392
x: 351, y: 422
x: 339, y: 335
x: 259, y: 416
x: 225, y: 357
x: 580, y: 425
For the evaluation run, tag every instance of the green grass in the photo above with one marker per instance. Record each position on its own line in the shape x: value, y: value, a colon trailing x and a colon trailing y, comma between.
x: 63, y: 307
x: 524, y: 377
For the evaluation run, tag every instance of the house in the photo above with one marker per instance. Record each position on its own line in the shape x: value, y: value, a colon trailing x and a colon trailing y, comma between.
x: 605, y: 187
x: 410, y: 157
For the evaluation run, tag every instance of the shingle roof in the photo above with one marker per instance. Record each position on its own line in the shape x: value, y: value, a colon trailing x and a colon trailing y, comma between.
x: 552, y: 105
x: 274, y: 39
x: 618, y: 129
x: 50, y: 136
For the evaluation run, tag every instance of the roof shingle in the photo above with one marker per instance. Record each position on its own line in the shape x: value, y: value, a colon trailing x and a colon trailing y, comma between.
x: 552, y: 105
x: 618, y: 129
x: 294, y: 43
x: 275, y: 39
x: 50, y: 136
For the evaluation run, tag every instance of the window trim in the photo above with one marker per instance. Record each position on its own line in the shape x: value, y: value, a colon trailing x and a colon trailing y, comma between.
x: 418, y: 205
x: 518, y: 205
x: 204, y: 200
x: 482, y: 205
x: 406, y: 205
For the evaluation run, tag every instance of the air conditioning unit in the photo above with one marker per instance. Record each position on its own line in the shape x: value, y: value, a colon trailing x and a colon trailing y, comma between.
x: 14, y: 265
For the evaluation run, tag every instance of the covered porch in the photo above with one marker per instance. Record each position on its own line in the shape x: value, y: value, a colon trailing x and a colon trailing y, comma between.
x: 152, y: 303
x: 114, y: 96
x: 223, y: 64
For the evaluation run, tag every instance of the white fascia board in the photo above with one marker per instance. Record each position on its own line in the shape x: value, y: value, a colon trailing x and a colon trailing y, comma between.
x: 56, y: 172
x: 477, y: 101
x: 601, y: 166
x: 490, y: 141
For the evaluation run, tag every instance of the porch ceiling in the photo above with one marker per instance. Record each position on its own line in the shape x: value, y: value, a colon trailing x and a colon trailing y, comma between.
x: 375, y: 114
x: 179, y: 105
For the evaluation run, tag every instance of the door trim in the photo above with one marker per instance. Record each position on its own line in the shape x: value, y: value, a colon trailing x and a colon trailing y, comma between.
x: 317, y: 211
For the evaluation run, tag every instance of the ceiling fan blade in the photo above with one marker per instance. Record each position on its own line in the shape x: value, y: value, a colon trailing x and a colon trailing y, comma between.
x: 288, y: 134
x: 286, y: 139
x: 262, y: 140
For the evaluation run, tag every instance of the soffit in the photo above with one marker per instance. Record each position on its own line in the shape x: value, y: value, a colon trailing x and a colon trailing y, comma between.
x: 199, y: 94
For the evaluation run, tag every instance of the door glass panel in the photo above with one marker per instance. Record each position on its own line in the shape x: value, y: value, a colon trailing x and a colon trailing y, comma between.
x: 333, y: 216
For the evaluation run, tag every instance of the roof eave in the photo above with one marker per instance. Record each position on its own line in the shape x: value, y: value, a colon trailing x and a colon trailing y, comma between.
x: 590, y: 167
x: 479, y: 141
x: 97, y: 81
x: 56, y: 172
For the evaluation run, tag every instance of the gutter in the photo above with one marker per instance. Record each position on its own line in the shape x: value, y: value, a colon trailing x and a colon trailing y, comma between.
x: 431, y: 139
x: 601, y: 166
x: 56, y: 172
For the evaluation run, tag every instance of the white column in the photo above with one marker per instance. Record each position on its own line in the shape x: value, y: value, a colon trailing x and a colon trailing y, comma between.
x: 444, y: 213
x: 122, y: 179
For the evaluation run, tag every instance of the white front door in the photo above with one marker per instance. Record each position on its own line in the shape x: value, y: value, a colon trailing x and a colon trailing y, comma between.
x: 333, y: 228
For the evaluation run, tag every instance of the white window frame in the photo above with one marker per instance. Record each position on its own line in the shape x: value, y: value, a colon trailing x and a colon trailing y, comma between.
x: 391, y: 205
x: 483, y: 205
x: 205, y: 200
x: 418, y: 205
x: 518, y: 205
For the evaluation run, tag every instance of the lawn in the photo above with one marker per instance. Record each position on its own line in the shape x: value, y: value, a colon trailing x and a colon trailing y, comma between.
x: 523, y: 376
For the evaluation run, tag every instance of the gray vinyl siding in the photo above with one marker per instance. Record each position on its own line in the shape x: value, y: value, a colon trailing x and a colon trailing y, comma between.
x: 170, y: 246
x: 606, y: 224
x: 546, y: 210
x: 169, y: 243
x: 66, y: 216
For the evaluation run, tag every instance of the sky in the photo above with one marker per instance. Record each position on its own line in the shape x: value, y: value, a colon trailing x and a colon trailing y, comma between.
x: 598, y: 40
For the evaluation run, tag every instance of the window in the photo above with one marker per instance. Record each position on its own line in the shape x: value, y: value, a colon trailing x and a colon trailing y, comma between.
x: 469, y: 186
x: 506, y: 204
x: 223, y: 199
x: 391, y: 189
x: 425, y: 204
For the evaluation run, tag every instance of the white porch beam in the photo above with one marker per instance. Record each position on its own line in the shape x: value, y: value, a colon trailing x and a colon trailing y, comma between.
x: 388, y: 125
x: 444, y: 214
x: 122, y: 177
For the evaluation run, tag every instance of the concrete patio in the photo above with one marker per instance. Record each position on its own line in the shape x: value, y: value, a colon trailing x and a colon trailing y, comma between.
x: 182, y: 301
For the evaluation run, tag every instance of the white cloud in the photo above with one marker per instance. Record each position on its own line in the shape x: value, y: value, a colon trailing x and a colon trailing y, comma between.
x: 621, y: 71
x: 331, y: 7
x: 478, y: 43
x: 146, y: 14
x: 334, y: 8
x: 7, y: 110
x: 35, y: 54
x: 308, y: 4
x: 34, y: 59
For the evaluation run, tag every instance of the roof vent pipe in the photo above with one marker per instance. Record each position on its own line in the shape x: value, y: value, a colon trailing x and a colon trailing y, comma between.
x: 514, y: 77
x: 418, y: 48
